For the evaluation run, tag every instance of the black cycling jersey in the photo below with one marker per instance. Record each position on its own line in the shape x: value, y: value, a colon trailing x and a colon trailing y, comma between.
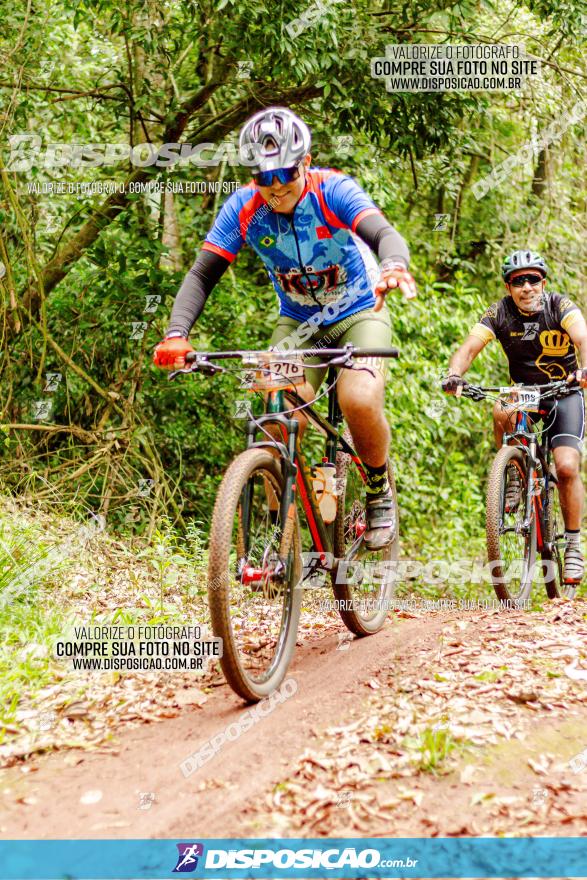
x: 537, y: 346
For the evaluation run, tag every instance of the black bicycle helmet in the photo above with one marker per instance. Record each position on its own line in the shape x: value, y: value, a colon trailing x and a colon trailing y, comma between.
x: 523, y: 260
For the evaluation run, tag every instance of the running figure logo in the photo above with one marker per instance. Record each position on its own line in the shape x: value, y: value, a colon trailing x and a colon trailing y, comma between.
x: 530, y: 332
x: 187, y: 860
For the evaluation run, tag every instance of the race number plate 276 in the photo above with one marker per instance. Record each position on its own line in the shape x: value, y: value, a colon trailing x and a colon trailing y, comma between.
x: 275, y: 374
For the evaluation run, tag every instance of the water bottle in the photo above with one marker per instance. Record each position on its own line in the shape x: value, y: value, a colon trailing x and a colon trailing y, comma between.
x: 324, y: 486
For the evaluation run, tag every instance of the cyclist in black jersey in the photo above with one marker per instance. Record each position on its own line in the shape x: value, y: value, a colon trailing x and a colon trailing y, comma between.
x: 544, y: 336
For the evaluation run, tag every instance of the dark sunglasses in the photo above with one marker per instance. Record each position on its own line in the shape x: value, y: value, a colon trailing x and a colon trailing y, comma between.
x: 284, y: 175
x: 521, y: 280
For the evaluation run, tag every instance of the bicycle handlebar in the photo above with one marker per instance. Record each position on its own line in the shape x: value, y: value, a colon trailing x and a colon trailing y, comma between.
x: 304, y: 353
x: 552, y: 389
x: 202, y: 361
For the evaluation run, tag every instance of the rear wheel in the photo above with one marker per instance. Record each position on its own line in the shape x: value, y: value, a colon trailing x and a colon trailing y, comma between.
x: 363, y: 582
x: 553, y: 554
x: 254, y: 599
x: 511, y: 543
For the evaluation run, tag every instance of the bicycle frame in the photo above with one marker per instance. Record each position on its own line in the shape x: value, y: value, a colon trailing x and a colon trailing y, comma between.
x: 295, y: 469
x: 297, y: 472
x: 538, y: 458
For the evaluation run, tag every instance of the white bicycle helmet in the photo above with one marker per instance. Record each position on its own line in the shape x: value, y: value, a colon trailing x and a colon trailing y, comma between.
x: 523, y: 260
x: 274, y: 138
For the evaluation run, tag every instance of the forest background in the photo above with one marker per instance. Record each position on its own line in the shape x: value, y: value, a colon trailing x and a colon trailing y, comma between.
x: 88, y: 425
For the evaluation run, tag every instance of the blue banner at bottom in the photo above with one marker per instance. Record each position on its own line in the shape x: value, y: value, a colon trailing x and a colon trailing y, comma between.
x: 300, y: 857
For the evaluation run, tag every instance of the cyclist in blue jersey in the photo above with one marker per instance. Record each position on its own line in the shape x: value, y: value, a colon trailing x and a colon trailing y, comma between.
x: 316, y: 231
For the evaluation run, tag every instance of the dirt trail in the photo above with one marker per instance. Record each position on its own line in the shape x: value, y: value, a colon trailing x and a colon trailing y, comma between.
x: 377, y: 700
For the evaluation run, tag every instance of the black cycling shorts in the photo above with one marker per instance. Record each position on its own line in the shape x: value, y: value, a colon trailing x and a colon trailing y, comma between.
x: 565, y: 421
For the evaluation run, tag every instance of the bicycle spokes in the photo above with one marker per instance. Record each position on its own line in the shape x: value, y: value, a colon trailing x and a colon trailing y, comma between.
x: 515, y: 531
x: 259, y: 577
x: 511, y: 526
x: 553, y: 554
x: 364, y: 579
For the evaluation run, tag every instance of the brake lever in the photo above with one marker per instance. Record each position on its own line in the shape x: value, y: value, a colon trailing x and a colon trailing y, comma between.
x: 175, y: 373
x: 562, y: 389
x: 198, y: 366
x: 473, y: 393
x: 368, y: 369
x: 343, y: 360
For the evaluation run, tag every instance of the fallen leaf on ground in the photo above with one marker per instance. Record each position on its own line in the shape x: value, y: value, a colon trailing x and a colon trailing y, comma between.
x: 540, y: 767
x: 190, y: 697
x: 576, y: 673
x: 468, y: 774
x: 92, y: 796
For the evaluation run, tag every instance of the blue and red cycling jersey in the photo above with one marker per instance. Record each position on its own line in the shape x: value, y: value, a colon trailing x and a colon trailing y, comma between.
x: 313, y: 256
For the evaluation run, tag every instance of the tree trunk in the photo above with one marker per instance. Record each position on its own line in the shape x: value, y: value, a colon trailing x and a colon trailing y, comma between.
x: 170, y: 235
x: 541, y: 173
x: 465, y: 184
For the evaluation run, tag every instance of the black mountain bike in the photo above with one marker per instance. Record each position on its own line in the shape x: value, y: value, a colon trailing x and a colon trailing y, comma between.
x: 256, y: 572
x: 534, y: 523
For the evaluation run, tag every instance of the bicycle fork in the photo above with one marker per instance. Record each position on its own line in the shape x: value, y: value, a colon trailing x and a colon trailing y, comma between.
x: 278, y: 568
x: 537, y: 482
x: 534, y: 481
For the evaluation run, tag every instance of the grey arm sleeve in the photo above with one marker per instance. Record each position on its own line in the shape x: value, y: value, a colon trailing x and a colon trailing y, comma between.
x: 195, y: 290
x: 382, y: 238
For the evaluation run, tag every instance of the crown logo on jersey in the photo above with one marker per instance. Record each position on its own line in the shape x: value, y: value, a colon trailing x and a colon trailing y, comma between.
x: 554, y: 343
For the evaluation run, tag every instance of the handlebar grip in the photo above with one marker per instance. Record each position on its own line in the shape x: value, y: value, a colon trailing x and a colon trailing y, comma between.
x: 376, y: 352
x: 191, y: 356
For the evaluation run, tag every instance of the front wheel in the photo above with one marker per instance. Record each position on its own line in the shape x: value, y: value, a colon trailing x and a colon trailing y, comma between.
x: 253, y: 575
x: 363, y: 581
x: 511, y: 541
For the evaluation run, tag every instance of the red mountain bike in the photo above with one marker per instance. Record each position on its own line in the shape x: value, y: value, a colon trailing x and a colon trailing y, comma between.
x: 534, y: 524
x: 256, y: 570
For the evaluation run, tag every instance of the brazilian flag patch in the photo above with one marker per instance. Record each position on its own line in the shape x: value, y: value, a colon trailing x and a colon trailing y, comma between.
x: 267, y: 241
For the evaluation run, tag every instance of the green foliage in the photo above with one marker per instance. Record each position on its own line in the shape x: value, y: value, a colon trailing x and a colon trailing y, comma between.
x: 56, y: 575
x: 169, y: 554
x: 29, y: 567
x: 100, y: 71
x: 433, y: 747
x: 440, y: 445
